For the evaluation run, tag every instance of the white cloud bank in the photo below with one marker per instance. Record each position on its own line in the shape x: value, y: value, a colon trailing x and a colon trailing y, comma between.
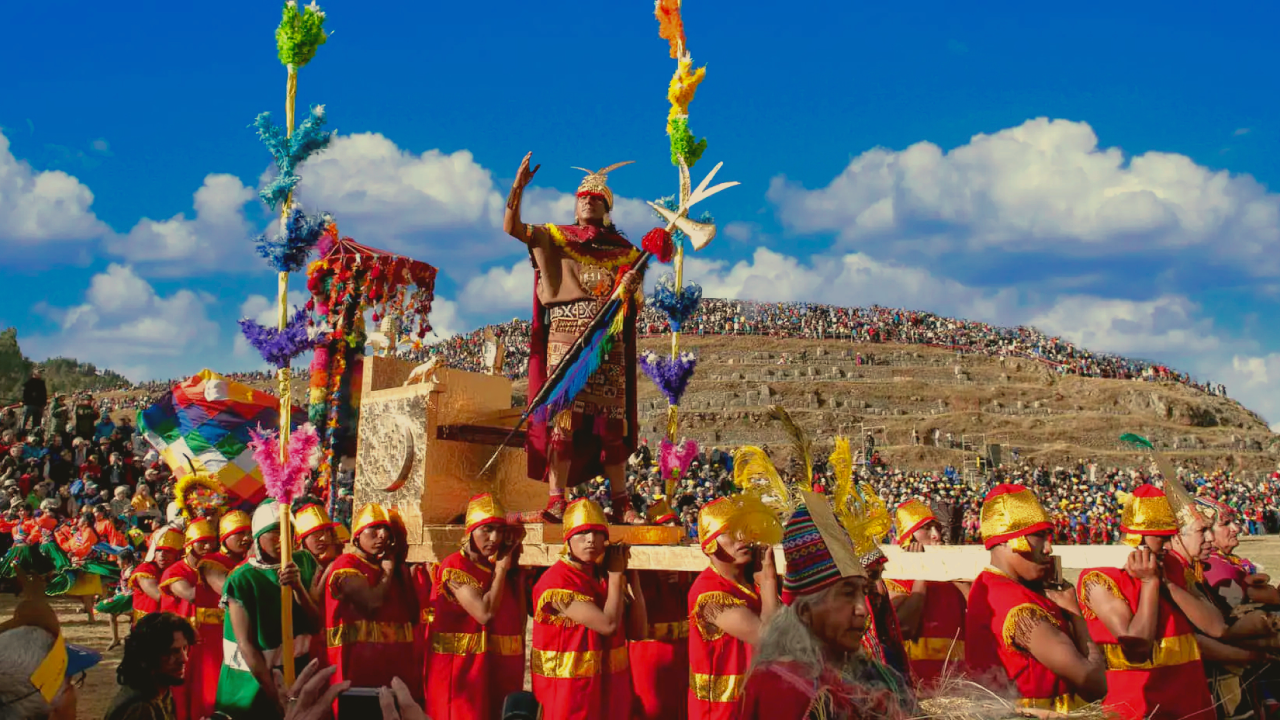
x: 42, y: 207
x: 1047, y: 187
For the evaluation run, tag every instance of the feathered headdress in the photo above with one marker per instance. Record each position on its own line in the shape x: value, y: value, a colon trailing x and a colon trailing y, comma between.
x: 198, y: 494
x: 755, y: 475
x: 799, y: 441
x: 1181, y: 501
x: 597, y: 183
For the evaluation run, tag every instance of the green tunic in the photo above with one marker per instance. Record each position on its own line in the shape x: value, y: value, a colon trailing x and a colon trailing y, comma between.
x: 257, y: 589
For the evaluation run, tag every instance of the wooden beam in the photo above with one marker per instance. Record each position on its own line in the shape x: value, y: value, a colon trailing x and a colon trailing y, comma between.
x: 480, y: 435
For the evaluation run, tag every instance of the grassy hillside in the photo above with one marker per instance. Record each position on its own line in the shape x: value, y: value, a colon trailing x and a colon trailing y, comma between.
x: 61, y: 375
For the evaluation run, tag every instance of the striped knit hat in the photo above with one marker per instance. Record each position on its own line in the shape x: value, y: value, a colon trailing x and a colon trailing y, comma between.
x: 811, y: 566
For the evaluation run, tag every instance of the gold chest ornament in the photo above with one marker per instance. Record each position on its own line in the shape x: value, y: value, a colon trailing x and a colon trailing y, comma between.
x: 596, y: 280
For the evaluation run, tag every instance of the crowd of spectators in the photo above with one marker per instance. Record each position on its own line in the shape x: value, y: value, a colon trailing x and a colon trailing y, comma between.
x: 811, y: 321
x: 1084, y: 499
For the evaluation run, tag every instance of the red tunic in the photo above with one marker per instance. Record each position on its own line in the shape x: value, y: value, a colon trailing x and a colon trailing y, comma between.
x: 940, y: 644
x: 195, y: 698
x: 472, y: 668
x: 369, y: 651
x: 718, y: 662
x: 578, y: 674
x: 997, y: 603
x: 1170, y: 685
x: 142, y: 602
x: 660, y: 662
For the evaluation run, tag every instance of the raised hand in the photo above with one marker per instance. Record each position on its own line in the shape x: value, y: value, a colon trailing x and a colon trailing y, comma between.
x: 524, y: 175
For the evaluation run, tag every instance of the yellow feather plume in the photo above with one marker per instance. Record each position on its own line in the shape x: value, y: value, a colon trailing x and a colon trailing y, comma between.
x: 754, y: 474
x: 842, y: 463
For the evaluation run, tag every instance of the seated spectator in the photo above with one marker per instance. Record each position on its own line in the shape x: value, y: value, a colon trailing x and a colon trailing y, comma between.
x: 154, y: 662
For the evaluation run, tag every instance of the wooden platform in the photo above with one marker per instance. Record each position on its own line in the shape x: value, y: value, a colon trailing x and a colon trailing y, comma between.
x: 652, y: 549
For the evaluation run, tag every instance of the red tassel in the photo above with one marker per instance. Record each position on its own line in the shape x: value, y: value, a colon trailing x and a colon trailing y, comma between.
x: 657, y: 242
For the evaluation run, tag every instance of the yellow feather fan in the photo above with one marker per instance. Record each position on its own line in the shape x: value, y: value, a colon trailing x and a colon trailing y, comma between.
x: 799, y: 441
x: 857, y: 505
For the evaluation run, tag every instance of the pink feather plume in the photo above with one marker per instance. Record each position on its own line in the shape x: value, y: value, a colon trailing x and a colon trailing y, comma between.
x: 675, y: 457
x: 285, y: 482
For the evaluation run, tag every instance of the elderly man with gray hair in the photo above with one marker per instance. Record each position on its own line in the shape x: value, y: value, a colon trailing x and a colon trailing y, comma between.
x: 810, y: 663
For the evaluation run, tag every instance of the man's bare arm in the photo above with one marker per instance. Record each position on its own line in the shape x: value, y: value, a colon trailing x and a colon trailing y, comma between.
x: 511, y: 222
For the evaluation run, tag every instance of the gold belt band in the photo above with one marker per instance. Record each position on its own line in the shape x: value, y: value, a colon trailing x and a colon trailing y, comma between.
x: 368, y: 631
x: 1165, y: 652
x: 716, y: 688
x: 1061, y: 704
x: 208, y: 616
x: 935, y: 648
x: 667, y: 632
x: 571, y: 664
x: 476, y: 643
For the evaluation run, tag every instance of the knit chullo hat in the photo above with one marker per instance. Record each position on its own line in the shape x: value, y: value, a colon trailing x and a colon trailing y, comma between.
x: 819, y: 552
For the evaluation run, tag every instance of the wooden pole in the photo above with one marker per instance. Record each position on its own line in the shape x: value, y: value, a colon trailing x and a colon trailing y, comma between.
x: 286, y: 408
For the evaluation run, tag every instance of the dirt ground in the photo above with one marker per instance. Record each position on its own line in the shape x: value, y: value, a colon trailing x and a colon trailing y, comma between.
x: 100, y: 685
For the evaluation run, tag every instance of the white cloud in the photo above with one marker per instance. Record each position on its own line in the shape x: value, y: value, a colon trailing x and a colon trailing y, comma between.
x: 125, y: 325
x: 500, y: 288
x: 217, y: 237
x: 1167, y: 324
x: 41, y: 207
x: 1045, y: 187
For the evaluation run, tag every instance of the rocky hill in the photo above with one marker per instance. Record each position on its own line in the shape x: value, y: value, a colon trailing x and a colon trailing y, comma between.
x: 61, y: 375
x: 974, y: 399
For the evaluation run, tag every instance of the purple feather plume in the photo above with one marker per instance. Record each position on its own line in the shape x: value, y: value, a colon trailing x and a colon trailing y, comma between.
x: 278, y: 347
x: 670, y: 375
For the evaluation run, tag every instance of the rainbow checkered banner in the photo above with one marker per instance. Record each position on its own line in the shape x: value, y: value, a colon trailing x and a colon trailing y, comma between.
x: 205, y: 421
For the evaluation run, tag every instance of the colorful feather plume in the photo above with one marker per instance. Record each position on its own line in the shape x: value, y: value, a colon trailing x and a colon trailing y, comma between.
x: 842, y: 463
x: 285, y: 481
x: 670, y: 24
x: 290, y: 151
x: 300, y: 33
x: 755, y: 474
x: 597, y: 347
x: 288, y: 250
x: 799, y: 440
x: 677, y: 306
x: 671, y: 375
x: 675, y: 459
x: 279, y: 347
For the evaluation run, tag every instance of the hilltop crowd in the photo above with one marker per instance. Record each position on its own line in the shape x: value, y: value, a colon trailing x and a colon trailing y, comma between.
x: 811, y: 321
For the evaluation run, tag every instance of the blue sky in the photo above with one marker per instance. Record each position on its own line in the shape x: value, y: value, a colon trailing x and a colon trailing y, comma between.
x: 1103, y: 171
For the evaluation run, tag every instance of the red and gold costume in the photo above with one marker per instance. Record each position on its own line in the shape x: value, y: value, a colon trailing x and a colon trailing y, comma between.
x: 1003, y: 612
x: 1171, y: 683
x: 236, y: 521
x: 471, y: 668
x: 578, y: 674
x: 166, y: 538
x: 369, y: 651
x: 576, y: 268
x: 718, y: 661
x: 939, y: 644
x: 660, y: 662
x: 195, y: 698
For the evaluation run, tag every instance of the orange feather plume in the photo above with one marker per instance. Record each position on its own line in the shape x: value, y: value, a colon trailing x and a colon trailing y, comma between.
x: 670, y: 24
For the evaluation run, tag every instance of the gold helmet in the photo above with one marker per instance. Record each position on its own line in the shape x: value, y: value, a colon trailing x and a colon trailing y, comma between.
x: 595, y: 183
x: 313, y: 518
x: 584, y: 515
x: 369, y: 516
x: 198, y: 530
x: 910, y: 517
x: 484, y: 509
x: 232, y: 523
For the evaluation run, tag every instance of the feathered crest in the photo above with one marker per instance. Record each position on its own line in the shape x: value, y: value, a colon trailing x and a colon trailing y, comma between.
x: 1180, y: 500
x: 671, y: 375
x: 674, y: 460
x: 754, y: 474
x: 290, y: 151
x: 799, y: 440
x: 198, y: 494
x: 279, y: 347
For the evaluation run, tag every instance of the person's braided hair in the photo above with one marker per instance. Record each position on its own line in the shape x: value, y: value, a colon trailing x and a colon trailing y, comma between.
x: 152, y: 637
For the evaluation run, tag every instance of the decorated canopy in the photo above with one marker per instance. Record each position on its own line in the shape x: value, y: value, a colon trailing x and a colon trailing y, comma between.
x: 204, y: 422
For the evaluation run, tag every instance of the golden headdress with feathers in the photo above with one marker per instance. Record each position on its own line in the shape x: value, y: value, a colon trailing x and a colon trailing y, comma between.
x: 755, y: 475
x: 596, y: 183
x: 858, y: 506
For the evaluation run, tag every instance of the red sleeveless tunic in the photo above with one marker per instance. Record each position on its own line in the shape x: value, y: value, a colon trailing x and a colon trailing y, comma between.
x: 1170, y: 685
x: 718, y: 662
x: 996, y: 604
x: 195, y: 697
x: 143, y: 605
x: 941, y: 642
x: 660, y: 662
x: 369, y: 651
x: 472, y: 668
x: 578, y: 674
